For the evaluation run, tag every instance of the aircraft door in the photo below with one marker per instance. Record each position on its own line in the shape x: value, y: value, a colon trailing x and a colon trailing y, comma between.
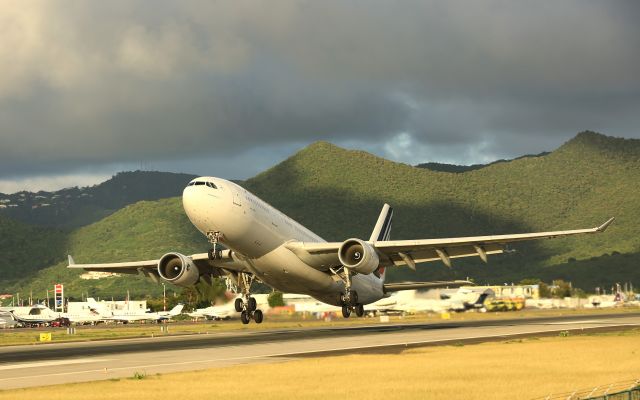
x: 237, y: 197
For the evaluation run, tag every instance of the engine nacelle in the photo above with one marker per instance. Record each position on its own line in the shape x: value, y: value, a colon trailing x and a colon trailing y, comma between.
x: 359, y: 256
x: 178, y: 269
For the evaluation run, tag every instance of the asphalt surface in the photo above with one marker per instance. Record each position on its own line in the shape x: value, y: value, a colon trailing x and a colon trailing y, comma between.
x: 24, y: 366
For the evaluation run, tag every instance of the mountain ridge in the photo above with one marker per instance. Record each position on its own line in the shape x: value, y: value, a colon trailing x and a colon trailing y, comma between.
x: 78, y: 206
x: 338, y: 193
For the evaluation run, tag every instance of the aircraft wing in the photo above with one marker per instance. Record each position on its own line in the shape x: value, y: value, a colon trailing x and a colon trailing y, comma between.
x: 149, y: 268
x: 411, y: 252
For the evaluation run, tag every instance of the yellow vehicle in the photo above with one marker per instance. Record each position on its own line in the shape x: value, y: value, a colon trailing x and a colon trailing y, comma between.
x: 505, y: 304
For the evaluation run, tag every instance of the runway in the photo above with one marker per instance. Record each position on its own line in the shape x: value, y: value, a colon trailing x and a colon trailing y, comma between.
x: 24, y: 366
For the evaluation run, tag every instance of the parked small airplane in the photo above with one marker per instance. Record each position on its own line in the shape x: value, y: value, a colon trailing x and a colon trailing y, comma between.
x: 6, y: 320
x: 465, y: 298
x: 34, y: 315
x: 305, y: 303
x: 147, y: 316
x: 91, y: 316
x: 221, y: 312
x: 264, y: 244
x: 227, y: 310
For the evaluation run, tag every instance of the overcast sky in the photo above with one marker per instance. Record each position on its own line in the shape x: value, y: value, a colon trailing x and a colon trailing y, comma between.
x: 229, y: 88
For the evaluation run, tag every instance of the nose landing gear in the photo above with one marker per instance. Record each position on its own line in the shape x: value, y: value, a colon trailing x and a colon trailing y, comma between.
x: 214, y: 238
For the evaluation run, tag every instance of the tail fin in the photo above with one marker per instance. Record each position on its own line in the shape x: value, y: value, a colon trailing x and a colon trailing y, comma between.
x: 382, y: 230
x: 176, y: 310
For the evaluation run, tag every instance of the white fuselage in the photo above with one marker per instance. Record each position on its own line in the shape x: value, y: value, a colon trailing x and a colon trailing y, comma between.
x: 258, y: 232
x: 35, y: 315
x: 228, y: 310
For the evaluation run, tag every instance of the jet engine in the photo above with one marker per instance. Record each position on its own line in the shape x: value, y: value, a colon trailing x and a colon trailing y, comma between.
x: 359, y: 256
x: 178, y: 269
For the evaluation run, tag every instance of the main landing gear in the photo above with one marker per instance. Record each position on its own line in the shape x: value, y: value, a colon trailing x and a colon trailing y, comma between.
x: 240, y: 282
x: 348, y: 308
x: 246, y: 305
x: 349, y: 299
x: 248, y: 309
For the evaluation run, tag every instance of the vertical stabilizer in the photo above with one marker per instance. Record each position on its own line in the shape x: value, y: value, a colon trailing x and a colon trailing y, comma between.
x: 176, y: 310
x: 382, y: 232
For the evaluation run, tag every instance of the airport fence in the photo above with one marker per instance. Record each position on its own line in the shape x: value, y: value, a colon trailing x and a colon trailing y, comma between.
x: 625, y: 390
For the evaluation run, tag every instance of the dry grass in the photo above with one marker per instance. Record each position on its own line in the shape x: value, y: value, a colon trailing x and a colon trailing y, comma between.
x: 30, y: 336
x: 504, y: 370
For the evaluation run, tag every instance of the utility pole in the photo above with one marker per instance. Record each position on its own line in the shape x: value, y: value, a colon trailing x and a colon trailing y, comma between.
x: 164, y: 297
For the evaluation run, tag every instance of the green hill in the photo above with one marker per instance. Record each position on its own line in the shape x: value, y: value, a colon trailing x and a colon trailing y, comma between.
x: 26, y: 249
x: 581, y: 184
x: 338, y: 193
x: 137, y: 232
x: 440, y: 167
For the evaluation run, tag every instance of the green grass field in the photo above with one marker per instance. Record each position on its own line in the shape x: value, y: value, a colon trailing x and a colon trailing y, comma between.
x: 522, y: 369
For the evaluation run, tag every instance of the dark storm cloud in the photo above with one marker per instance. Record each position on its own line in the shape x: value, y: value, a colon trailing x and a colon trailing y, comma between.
x: 163, y: 83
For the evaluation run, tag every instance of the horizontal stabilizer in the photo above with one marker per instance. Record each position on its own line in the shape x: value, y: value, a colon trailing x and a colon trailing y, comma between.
x: 604, y: 226
x: 396, y: 287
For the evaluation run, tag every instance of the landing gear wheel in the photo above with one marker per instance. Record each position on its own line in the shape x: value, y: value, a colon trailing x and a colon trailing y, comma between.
x: 252, y: 304
x: 360, y: 310
x: 354, y: 297
x: 238, y: 305
x: 245, y: 317
x: 346, y: 311
x: 257, y: 316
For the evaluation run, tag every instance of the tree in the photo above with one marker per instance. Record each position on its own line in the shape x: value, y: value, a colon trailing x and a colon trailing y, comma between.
x: 275, y: 299
x: 543, y: 288
x: 561, y: 289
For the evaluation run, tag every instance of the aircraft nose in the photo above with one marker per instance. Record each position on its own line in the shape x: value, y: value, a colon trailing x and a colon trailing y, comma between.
x: 201, y: 204
x: 190, y: 201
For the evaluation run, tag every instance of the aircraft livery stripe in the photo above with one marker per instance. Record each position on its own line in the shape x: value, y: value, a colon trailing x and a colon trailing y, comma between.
x: 388, y: 235
x: 386, y: 225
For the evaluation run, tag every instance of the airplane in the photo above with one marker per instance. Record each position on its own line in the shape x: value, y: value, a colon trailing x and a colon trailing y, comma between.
x: 147, y: 316
x: 6, y: 320
x: 264, y: 244
x: 91, y: 316
x: 465, y: 298
x: 35, y: 315
x: 406, y: 302
x: 225, y: 311
x: 303, y: 303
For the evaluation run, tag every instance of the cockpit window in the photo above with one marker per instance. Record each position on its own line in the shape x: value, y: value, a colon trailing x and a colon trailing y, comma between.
x: 200, y: 183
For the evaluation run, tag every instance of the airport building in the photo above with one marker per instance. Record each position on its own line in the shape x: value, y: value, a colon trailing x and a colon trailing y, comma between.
x: 513, y: 291
x: 115, y: 307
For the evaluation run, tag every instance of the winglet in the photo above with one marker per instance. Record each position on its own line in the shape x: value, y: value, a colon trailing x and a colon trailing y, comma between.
x: 71, y: 262
x: 604, y: 226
